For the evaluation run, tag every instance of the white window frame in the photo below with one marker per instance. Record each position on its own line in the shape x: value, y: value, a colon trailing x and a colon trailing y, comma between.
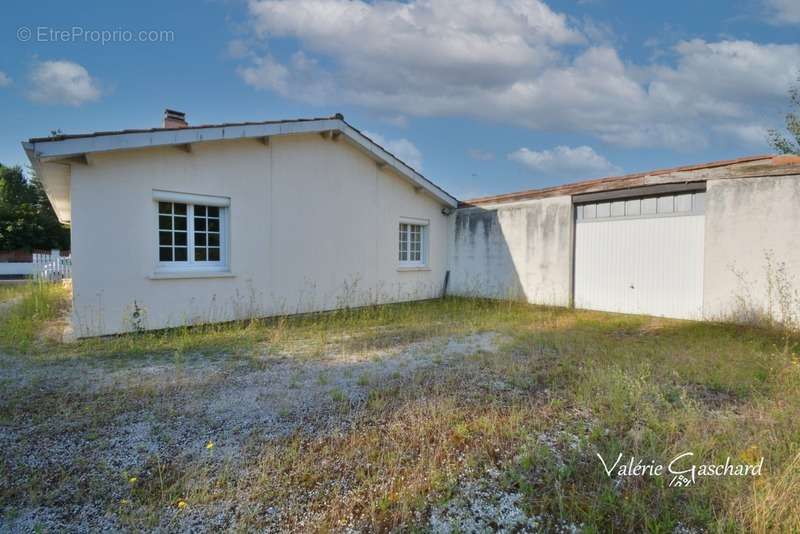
x: 424, y: 245
x: 191, y: 265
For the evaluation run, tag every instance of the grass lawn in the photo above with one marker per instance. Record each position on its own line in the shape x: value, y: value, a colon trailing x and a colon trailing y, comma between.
x: 11, y: 290
x: 458, y: 415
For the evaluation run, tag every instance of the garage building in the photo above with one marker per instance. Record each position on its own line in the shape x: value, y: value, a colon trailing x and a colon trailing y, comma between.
x: 711, y: 241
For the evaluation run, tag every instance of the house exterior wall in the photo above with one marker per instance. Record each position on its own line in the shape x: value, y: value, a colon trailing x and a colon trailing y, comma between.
x: 313, y: 226
x: 749, y: 220
x: 519, y: 250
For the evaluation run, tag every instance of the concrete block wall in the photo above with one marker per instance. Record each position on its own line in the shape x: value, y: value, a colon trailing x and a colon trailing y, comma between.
x: 751, y: 258
x: 752, y: 227
x: 520, y: 250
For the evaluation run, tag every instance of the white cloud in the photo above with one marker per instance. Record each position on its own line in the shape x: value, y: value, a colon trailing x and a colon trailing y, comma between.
x: 266, y: 73
x: 301, y: 78
x: 237, y: 49
x: 62, y: 82
x: 783, y: 11
x: 5, y: 80
x: 434, y: 36
x: 723, y: 78
x: 517, y: 62
x: 565, y: 162
x: 398, y: 48
x: 753, y: 136
x: 402, y: 148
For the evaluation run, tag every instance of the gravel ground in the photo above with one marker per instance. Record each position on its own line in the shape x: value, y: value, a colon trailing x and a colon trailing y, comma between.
x: 73, y: 433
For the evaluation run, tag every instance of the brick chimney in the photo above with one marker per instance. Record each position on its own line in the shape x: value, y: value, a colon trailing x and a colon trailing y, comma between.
x: 174, y: 119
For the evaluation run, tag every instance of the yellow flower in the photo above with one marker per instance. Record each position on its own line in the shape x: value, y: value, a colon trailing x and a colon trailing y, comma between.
x: 181, y: 504
x: 210, y: 445
x: 133, y: 480
x: 124, y: 502
x: 751, y: 454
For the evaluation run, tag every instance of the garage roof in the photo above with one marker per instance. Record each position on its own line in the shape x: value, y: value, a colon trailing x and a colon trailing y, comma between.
x: 745, y: 167
x: 73, y: 149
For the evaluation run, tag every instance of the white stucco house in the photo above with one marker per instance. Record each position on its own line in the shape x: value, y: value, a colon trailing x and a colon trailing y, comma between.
x: 190, y: 224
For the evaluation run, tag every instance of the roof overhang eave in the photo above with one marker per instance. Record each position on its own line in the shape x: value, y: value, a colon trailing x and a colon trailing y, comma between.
x: 61, y: 206
x: 72, y: 149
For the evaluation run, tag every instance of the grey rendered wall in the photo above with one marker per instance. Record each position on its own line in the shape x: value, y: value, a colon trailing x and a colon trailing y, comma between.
x: 750, y: 223
x: 521, y: 250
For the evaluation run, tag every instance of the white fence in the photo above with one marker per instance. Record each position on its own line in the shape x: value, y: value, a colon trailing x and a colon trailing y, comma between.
x: 52, y: 266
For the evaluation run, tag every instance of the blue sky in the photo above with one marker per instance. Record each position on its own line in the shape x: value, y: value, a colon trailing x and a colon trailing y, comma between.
x: 484, y: 96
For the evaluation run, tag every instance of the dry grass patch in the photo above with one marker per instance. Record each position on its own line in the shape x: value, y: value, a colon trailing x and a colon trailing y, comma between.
x: 402, y: 459
x: 11, y: 291
x: 454, y: 414
x: 35, y: 305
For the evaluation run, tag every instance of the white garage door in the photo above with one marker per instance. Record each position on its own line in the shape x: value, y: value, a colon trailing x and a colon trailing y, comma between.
x: 642, y: 255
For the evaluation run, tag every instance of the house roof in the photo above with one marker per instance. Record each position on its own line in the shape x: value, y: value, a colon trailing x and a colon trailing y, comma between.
x: 73, y: 148
x: 102, y: 133
x: 745, y: 167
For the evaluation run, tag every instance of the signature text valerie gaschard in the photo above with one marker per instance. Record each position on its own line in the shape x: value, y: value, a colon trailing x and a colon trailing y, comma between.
x: 681, y: 470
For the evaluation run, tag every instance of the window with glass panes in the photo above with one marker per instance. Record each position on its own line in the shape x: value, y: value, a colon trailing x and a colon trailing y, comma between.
x: 173, y: 234
x: 411, y: 250
x: 190, y: 233
x: 206, y: 233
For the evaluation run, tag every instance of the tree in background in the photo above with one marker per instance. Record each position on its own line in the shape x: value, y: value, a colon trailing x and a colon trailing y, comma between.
x: 27, y: 221
x: 780, y: 142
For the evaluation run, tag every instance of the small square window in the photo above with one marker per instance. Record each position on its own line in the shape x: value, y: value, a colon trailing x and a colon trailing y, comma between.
x: 189, y: 233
